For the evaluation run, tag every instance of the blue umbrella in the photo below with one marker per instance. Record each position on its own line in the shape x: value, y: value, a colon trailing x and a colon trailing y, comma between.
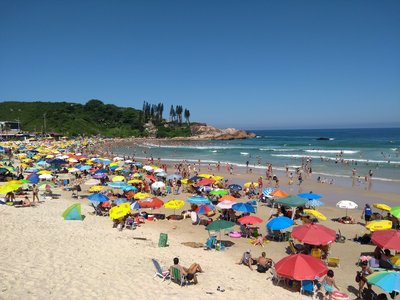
x: 101, y: 171
x: 129, y: 188
x: 235, y: 187
x: 198, y: 200
x: 387, y: 280
x: 117, y: 184
x: 31, y: 170
x: 113, y: 168
x: 243, y: 207
x: 98, y: 197
x: 135, y: 205
x: 161, y: 174
x: 106, y: 161
x: 204, y: 188
x: 309, y: 196
x: 314, y: 203
x: 57, y: 161
x: 85, y: 167
x: 41, y: 162
x: 194, y: 178
x: 120, y: 201
x: 173, y: 176
x: 266, y: 192
x: 279, y: 223
x: 137, y: 164
x: 205, y: 209
x: 33, y: 178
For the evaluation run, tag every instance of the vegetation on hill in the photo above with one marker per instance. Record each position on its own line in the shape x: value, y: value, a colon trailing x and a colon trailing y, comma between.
x: 94, y: 118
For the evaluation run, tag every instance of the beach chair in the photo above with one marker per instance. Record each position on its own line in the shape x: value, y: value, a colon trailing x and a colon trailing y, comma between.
x: 292, y: 247
x: 316, y: 252
x: 159, y: 272
x: 210, y: 243
x: 307, y: 288
x: 276, y: 279
x: 98, y: 211
x: 333, y: 262
x: 286, y: 236
x: 339, y: 237
x: 177, y: 276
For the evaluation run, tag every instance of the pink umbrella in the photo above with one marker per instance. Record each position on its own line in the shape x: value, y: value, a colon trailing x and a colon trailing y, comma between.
x: 300, y: 267
x: 250, y: 220
x: 314, y: 234
x: 387, y: 239
x: 226, y: 204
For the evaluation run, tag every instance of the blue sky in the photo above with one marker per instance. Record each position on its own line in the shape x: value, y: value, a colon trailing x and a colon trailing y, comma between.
x: 245, y: 64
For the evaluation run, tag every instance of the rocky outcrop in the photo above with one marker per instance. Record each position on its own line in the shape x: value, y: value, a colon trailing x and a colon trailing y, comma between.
x: 150, y: 129
x: 207, y: 132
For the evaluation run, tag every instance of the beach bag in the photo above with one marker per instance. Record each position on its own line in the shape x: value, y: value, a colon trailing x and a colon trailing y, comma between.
x: 358, y: 276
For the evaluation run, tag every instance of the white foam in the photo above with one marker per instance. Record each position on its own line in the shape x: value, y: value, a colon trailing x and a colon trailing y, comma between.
x: 331, y: 151
x: 244, y: 153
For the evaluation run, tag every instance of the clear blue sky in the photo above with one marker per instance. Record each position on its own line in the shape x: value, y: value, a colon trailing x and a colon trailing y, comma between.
x: 246, y: 64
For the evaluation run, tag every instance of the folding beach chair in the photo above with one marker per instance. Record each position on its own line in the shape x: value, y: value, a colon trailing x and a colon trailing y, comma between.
x: 307, y: 288
x: 159, y: 272
x: 177, y: 276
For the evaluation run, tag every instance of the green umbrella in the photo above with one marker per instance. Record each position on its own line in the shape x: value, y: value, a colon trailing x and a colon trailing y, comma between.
x: 292, y: 201
x: 220, y: 225
x: 395, y: 211
x: 219, y: 192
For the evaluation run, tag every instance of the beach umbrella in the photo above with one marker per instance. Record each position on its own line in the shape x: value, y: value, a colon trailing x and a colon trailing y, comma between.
x: 133, y: 181
x: 141, y: 195
x: 151, y: 203
x: 206, y: 181
x: 127, y: 188
x: 205, y: 188
x: 96, y: 188
x: 315, y: 213
x: 31, y: 170
x: 301, y: 267
x: 248, y: 184
x: 46, y: 176
x: 217, y: 177
x: 292, y: 201
x: 250, y: 220
x: 92, y: 182
x: 267, y: 191
x: 42, y: 172
x: 157, y: 185
x: 98, y: 197
x: 387, y: 280
x: 161, y: 174
x: 382, y: 206
x: 33, y: 178
x: 117, y: 184
x: 220, y: 192
x: 279, y: 223
x: 73, y: 170
x: 135, y: 205
x: 148, y: 168
x: 219, y: 225
x: 174, y: 176
x: 387, y: 239
x: 120, y: 200
x: 347, y: 204
x: 9, y: 188
x: 174, y: 204
x: 235, y: 187
x: 314, y: 203
x: 101, y: 171
x: 279, y: 194
x: 118, y: 178
x: 204, y: 209
x: 120, y: 211
x: 314, y: 234
x: 243, y: 207
x: 151, y: 177
x: 309, y: 196
x: 205, y: 175
x: 227, y: 197
x: 395, y: 211
x: 194, y: 178
x: 377, y: 225
x: 226, y: 204
x: 99, y: 175
x: 395, y: 260
x: 198, y: 200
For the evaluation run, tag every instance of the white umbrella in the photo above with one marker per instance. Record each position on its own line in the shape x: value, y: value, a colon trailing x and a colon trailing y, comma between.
x: 73, y: 170
x: 46, y: 176
x: 226, y: 204
x: 159, y: 170
x: 347, y: 204
x: 148, y: 168
x: 92, y: 182
x: 117, y: 158
x: 128, y: 161
x: 158, y: 184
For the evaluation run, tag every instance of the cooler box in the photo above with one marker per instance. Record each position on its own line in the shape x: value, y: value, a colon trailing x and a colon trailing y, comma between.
x: 150, y: 218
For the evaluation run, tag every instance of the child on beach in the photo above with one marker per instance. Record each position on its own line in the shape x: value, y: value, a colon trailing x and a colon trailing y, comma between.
x: 329, y: 283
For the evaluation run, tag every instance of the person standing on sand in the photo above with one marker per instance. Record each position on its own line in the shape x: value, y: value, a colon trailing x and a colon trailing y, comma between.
x: 35, y: 193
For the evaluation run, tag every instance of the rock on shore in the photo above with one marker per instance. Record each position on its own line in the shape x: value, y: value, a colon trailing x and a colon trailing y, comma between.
x: 207, y: 132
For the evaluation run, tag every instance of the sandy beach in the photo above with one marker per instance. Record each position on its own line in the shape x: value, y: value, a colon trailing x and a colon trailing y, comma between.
x: 46, y: 257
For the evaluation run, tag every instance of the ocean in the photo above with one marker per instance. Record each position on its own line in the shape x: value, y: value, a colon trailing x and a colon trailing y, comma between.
x: 334, y: 152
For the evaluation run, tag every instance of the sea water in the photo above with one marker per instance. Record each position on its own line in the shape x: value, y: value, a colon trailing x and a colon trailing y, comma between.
x: 337, y: 154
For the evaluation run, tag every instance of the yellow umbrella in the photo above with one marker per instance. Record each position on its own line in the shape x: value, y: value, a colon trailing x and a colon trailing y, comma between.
x: 247, y: 184
x: 141, y: 195
x: 205, y: 175
x: 118, y: 178
x: 120, y: 211
x: 134, y: 181
x: 217, y: 178
x: 96, y: 188
x: 136, y: 175
x: 395, y: 260
x: 184, y: 181
x: 23, y: 165
x: 174, y: 204
x: 379, y: 225
x: 43, y: 172
x: 119, y: 169
x: 382, y: 206
x: 113, y: 164
x: 9, y: 188
x: 315, y: 213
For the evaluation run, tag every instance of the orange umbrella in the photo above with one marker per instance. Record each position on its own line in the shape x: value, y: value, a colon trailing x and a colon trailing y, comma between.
x: 279, y: 194
x: 227, y: 197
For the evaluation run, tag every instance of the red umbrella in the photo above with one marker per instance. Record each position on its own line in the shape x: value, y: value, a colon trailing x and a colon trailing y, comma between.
x: 387, y: 239
x: 205, y: 181
x: 151, y: 203
x: 250, y: 220
x: 300, y: 267
x: 314, y: 234
x: 151, y: 177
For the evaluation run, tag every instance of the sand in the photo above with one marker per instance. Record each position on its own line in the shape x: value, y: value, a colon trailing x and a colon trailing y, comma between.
x: 46, y: 257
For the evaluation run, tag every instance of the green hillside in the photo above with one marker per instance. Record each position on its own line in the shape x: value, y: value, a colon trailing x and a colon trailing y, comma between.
x: 92, y: 118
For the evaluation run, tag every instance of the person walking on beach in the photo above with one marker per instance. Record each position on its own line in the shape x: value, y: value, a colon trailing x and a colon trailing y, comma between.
x: 367, y: 213
x: 35, y: 193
